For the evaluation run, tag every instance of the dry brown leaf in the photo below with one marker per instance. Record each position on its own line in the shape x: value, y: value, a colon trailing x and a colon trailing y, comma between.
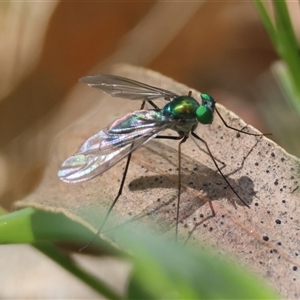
x: 266, y: 236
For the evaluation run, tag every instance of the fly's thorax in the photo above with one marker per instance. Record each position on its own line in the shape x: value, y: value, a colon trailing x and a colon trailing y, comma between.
x: 184, y: 127
x: 182, y: 107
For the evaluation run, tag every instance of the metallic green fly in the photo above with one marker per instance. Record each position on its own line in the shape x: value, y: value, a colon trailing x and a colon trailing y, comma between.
x: 117, y: 141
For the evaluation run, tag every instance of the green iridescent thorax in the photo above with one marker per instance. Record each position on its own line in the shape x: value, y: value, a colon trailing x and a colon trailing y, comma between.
x: 182, y: 107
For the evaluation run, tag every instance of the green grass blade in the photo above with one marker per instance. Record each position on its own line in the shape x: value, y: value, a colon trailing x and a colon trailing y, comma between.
x: 16, y: 227
x: 40, y: 227
x: 265, y: 17
x: 161, y: 268
x: 285, y: 43
x: 67, y: 263
x: 288, y: 47
x: 164, y: 270
x: 30, y: 225
x: 284, y: 24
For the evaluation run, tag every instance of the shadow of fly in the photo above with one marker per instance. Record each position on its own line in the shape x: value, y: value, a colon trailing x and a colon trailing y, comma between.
x: 100, y: 152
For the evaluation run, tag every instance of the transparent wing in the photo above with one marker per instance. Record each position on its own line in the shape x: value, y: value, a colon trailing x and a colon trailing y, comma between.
x: 121, y: 87
x: 107, y: 147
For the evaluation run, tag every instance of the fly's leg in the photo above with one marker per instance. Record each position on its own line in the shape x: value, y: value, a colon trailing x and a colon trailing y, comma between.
x: 239, y: 130
x: 183, y: 139
x: 219, y: 170
x: 115, y: 200
x: 179, y: 184
x: 152, y: 104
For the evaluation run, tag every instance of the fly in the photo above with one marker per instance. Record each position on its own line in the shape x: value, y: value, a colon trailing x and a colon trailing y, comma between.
x: 103, y: 150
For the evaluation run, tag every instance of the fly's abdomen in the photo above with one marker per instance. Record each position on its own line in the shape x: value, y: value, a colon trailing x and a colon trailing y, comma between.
x: 182, y: 107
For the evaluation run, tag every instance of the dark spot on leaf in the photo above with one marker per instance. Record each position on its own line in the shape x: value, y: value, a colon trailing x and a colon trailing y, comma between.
x: 265, y: 238
x: 278, y: 221
x: 295, y: 268
x: 276, y: 182
x: 256, y: 163
x: 273, y: 154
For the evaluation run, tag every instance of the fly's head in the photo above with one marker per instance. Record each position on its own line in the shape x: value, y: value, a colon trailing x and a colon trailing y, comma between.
x: 205, y: 112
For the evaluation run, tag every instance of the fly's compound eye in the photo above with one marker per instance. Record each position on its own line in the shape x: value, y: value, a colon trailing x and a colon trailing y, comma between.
x: 204, y: 115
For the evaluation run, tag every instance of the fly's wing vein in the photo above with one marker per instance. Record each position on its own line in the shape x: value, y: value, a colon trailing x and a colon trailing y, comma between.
x: 121, y: 87
x: 107, y: 147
